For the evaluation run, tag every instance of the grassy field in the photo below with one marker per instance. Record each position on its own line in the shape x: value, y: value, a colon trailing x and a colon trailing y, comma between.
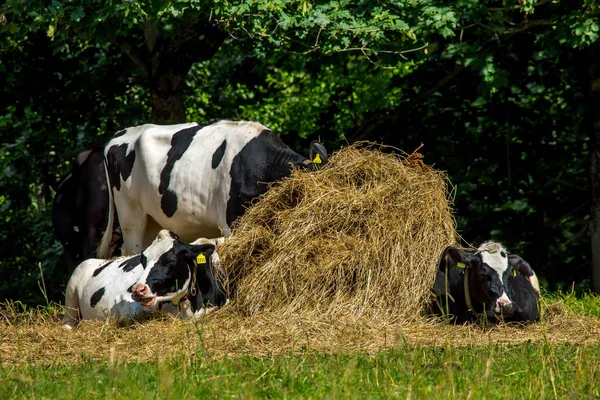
x: 557, y: 358
x: 530, y: 370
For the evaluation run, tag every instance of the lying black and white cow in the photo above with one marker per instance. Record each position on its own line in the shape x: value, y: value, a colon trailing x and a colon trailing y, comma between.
x: 193, y: 180
x: 80, y: 208
x: 487, y: 282
x: 167, y: 271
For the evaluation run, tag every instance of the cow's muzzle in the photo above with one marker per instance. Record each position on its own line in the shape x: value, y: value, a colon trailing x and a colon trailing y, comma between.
x: 503, y: 307
x: 142, y: 294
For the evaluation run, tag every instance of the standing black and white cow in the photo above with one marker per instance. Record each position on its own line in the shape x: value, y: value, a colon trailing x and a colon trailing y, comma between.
x: 487, y: 282
x: 80, y: 208
x: 193, y: 180
x: 168, y: 271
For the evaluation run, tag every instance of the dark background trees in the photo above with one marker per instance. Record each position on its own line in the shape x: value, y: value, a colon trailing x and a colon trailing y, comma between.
x: 503, y: 95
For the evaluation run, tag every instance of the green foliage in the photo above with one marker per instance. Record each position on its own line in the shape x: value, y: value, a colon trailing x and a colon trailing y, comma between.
x: 496, y: 91
x: 51, y: 108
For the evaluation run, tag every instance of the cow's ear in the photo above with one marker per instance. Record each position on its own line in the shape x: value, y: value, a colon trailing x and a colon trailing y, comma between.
x: 202, y: 252
x: 520, y: 265
x: 456, y: 255
x: 451, y: 256
x: 318, y: 153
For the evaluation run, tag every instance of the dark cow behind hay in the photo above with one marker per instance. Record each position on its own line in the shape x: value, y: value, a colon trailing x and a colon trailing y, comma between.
x: 80, y: 209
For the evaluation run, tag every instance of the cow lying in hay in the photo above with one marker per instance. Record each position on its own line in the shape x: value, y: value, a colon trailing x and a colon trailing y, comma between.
x: 487, y: 282
x: 167, y: 271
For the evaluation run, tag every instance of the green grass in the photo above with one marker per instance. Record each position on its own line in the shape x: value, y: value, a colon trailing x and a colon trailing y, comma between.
x: 513, y: 372
x: 583, y: 304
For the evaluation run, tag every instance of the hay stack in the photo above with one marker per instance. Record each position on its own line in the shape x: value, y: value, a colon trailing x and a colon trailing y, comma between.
x: 362, y: 236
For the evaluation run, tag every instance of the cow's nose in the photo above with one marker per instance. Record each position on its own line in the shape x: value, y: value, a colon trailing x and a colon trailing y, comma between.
x: 140, y: 289
x: 503, y: 306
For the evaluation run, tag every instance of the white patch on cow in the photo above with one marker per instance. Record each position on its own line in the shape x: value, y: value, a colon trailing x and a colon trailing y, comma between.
x: 162, y: 244
x: 491, y: 255
x: 202, y: 192
x: 494, y: 255
x: 502, y: 301
x: 535, y: 283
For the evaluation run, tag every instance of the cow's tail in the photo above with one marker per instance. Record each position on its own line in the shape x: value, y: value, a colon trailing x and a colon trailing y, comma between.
x: 104, y: 247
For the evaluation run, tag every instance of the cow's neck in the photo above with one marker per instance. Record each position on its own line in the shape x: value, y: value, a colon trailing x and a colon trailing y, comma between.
x: 282, y: 161
x: 209, y: 292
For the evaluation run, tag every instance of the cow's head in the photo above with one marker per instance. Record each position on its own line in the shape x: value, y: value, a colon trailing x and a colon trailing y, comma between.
x: 318, y: 158
x: 170, y: 269
x: 488, y: 274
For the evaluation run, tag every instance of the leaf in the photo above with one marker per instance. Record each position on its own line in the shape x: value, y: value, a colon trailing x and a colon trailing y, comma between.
x: 51, y: 31
x: 77, y: 14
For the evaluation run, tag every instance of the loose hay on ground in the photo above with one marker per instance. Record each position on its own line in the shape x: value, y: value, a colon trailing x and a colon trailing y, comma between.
x: 40, y: 339
x: 361, y: 237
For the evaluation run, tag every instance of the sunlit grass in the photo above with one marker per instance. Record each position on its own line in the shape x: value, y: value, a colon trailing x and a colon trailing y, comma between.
x: 492, y: 371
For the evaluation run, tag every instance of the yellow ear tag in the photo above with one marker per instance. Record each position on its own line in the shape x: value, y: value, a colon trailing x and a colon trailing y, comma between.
x: 317, y: 159
x: 201, y: 259
x: 460, y: 265
x: 515, y: 273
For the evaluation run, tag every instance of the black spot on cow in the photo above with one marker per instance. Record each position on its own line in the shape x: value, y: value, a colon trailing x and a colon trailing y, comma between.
x: 96, y: 297
x: 218, y: 155
x: 130, y: 263
x: 98, y: 270
x: 168, y: 203
x: 180, y: 142
x: 119, y: 164
x: 263, y: 159
x: 143, y: 260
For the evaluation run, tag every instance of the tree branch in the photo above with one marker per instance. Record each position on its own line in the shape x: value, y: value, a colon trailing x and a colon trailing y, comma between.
x: 140, y: 59
x: 151, y: 34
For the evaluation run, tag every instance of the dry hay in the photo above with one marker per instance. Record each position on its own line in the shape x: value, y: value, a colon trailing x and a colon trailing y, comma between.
x: 360, y: 237
x: 39, y: 338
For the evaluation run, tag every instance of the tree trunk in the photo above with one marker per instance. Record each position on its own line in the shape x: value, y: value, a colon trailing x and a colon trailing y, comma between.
x: 593, y: 123
x: 167, y: 97
x: 595, y: 212
x: 166, y: 60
